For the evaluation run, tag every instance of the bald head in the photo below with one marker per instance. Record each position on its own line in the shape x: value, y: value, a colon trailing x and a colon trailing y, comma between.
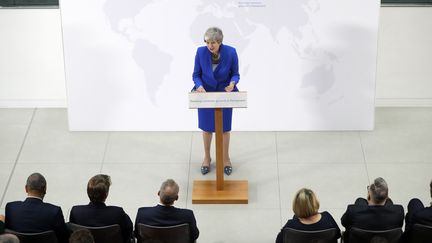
x: 36, y: 185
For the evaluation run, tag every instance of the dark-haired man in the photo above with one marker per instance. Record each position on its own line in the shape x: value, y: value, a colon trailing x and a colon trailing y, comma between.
x: 417, y: 214
x: 96, y: 213
x: 33, y: 215
x: 376, y: 213
x: 165, y: 214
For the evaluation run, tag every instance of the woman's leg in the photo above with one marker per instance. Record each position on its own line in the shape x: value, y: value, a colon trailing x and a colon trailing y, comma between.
x: 207, y: 138
x: 226, y: 141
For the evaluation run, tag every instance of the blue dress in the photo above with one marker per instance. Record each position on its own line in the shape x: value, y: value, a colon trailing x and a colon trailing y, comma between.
x: 215, y: 81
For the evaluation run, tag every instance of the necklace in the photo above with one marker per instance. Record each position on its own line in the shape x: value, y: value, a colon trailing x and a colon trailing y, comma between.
x: 215, y: 58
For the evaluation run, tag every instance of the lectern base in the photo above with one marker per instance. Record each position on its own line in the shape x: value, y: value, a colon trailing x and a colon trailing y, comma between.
x: 234, y: 192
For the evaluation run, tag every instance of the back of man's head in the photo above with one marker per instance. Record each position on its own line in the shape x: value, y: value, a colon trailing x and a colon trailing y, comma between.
x: 168, y: 192
x: 98, y: 188
x: 36, y: 185
x: 378, y: 191
x: 8, y: 238
x: 81, y: 236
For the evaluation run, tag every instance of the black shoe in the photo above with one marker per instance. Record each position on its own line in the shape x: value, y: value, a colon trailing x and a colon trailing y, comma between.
x: 228, y: 170
x: 205, y: 169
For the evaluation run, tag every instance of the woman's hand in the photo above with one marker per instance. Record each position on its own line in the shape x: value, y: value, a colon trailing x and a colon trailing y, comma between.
x: 230, y: 87
x: 200, y: 89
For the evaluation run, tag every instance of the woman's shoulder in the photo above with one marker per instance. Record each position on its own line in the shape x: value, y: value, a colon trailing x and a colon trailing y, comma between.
x: 201, y: 49
x: 326, y: 215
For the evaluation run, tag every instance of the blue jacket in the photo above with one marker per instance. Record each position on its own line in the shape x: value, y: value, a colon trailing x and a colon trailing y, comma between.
x: 226, y: 71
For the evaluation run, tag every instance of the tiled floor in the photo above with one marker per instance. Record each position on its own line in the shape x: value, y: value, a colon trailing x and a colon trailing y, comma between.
x: 336, y: 165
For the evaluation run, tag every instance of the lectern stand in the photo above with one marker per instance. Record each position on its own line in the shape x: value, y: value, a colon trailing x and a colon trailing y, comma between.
x: 220, y: 191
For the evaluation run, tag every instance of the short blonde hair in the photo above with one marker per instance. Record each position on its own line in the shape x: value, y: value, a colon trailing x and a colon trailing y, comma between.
x: 305, y: 203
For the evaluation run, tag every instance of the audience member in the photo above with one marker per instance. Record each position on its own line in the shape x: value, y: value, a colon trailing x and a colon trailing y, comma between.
x: 2, y: 226
x: 96, y: 213
x: 81, y: 236
x: 8, y: 238
x: 165, y: 214
x: 33, y: 215
x: 418, y: 214
x: 306, y: 216
x: 376, y: 213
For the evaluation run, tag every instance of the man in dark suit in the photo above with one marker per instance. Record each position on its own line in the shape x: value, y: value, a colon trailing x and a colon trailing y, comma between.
x: 376, y: 213
x: 417, y: 214
x: 165, y: 214
x: 96, y: 213
x: 33, y: 215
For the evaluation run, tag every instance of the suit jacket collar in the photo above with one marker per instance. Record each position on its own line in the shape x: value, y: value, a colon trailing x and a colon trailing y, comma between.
x: 33, y: 200
x: 97, y: 204
x: 161, y: 206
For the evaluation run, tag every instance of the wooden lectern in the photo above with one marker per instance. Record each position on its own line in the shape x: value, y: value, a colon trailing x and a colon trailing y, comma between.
x: 219, y: 191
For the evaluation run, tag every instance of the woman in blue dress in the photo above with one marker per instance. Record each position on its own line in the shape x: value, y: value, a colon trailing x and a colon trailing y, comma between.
x: 215, y: 70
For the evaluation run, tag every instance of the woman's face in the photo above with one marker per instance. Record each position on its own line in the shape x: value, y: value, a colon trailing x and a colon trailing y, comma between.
x: 213, y: 46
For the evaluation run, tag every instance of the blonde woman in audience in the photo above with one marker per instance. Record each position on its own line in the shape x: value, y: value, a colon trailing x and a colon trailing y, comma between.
x: 306, y: 216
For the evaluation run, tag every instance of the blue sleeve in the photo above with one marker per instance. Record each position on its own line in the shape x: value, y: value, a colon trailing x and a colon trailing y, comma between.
x: 235, y: 76
x: 197, y: 72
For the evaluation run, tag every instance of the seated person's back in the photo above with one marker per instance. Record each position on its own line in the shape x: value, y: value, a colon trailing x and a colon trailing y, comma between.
x: 306, y: 216
x: 376, y: 213
x: 418, y: 214
x: 33, y: 215
x: 96, y: 213
x: 165, y: 214
x: 2, y: 220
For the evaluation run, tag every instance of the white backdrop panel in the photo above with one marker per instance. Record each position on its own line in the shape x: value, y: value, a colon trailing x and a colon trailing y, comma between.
x: 306, y: 64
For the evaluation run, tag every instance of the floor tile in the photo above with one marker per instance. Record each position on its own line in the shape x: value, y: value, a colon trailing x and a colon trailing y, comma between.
x: 13, y: 127
x: 11, y: 140
x: 148, y: 147
x: 137, y: 185
x: 319, y: 147
x: 5, y: 172
x: 49, y: 141
x: 336, y: 185
x: 398, y: 143
x: 18, y: 116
